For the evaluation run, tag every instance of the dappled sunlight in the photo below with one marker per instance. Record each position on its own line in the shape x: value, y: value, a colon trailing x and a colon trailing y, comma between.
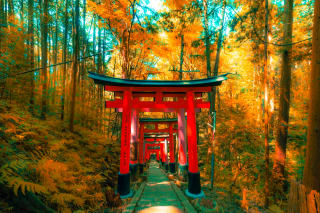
x: 161, y: 183
x: 161, y: 209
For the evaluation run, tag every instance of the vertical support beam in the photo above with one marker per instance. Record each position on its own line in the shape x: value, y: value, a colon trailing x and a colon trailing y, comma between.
x: 166, y: 154
x: 162, y: 152
x: 172, y: 163
x: 182, y: 144
x: 194, y: 187
x: 133, y: 142
x: 141, y: 154
x: 124, y: 175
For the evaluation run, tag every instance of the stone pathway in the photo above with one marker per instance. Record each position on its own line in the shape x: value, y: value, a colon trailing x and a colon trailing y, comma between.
x: 158, y: 190
x: 158, y: 194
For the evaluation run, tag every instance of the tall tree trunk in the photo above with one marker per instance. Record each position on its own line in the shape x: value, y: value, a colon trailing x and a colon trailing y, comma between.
x: 31, y: 53
x: 99, y: 50
x: 311, y: 172
x: 75, y: 65
x: 44, y: 52
x: 210, y: 153
x: 10, y: 8
x: 219, y: 47
x: 284, y: 104
x: 83, y: 67
x: 266, y: 105
x: 2, y: 21
x: 207, y: 38
x: 55, y: 54
x: 21, y: 12
x: 181, y: 57
x: 65, y: 40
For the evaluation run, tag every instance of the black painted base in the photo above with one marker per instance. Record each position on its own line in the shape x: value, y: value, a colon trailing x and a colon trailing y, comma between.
x: 172, y: 167
x: 194, y: 186
x: 133, y: 168
x: 183, y: 172
x: 166, y: 166
x: 140, y: 168
x: 124, y: 184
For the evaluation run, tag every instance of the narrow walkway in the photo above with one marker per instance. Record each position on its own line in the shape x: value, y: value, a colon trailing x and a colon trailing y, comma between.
x: 158, y: 191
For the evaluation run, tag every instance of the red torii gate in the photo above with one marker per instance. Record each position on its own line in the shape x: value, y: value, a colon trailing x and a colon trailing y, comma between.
x: 170, y: 130
x: 162, y: 142
x: 153, y: 150
x: 127, y: 99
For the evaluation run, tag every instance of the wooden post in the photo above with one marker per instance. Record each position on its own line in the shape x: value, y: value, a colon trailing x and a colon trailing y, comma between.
x: 133, y: 142
x: 124, y: 175
x: 141, y: 156
x: 182, y: 145
x: 172, y: 163
x: 166, y: 155
x: 194, y: 187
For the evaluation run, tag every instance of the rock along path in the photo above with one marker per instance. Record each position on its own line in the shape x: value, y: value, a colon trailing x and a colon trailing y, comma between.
x: 159, y: 192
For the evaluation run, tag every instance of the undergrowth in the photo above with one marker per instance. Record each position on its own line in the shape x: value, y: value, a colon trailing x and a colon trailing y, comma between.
x: 67, y: 171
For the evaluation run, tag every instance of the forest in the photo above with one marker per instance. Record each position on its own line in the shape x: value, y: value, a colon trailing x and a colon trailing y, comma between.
x: 258, y: 144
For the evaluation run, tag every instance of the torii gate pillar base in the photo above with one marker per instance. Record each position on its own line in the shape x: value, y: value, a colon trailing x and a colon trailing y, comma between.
x: 133, y: 169
x: 140, y: 168
x: 194, y: 187
x: 183, y: 172
x: 124, y: 186
x: 172, y: 167
x: 166, y: 166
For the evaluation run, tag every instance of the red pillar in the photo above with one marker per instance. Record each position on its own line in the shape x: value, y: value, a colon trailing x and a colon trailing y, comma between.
x: 141, y: 156
x: 161, y: 151
x: 172, y: 164
x: 125, y: 133
x: 134, y: 142
x: 192, y: 134
x: 194, y: 187
x: 124, y: 175
x: 182, y: 141
x: 141, y: 137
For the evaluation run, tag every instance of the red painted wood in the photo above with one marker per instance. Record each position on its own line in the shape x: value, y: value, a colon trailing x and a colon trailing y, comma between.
x: 125, y: 134
x: 192, y: 134
x: 161, y: 152
x: 156, y: 140
x: 182, y: 139
x: 171, y: 144
x: 141, y: 136
x: 159, y: 130
x: 158, y: 89
x: 134, y: 137
x: 153, y: 94
x: 164, y: 106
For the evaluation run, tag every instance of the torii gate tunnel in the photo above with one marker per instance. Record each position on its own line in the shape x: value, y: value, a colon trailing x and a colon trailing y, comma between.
x: 183, y: 95
x: 156, y: 133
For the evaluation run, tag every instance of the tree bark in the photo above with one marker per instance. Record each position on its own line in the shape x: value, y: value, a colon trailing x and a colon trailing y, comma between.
x: 44, y: 52
x: 284, y: 103
x: 64, y: 72
x: 31, y: 53
x: 181, y: 58
x: 75, y: 65
x: 219, y: 47
x: 266, y: 105
x: 311, y: 174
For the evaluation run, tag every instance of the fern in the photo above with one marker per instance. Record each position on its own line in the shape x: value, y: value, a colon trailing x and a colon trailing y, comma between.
x: 18, y: 183
x: 63, y: 198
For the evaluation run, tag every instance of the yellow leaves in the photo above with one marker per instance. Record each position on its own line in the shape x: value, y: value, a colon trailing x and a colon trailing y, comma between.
x: 63, y: 198
x: 18, y: 183
x: 176, y: 4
